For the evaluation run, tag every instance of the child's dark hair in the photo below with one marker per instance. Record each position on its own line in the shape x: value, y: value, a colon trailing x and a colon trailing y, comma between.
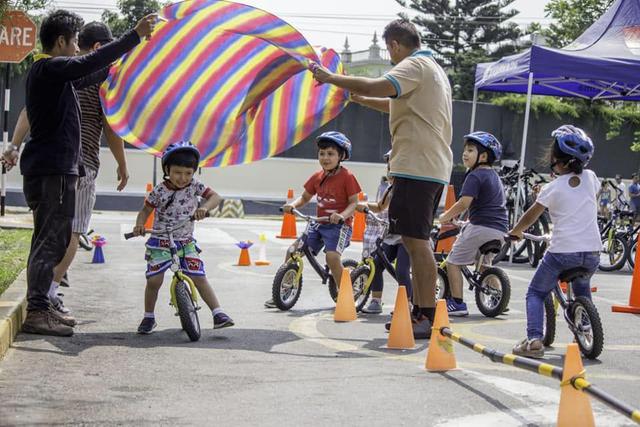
x: 185, y: 158
x: 402, y: 31
x: 326, y: 143
x: 557, y: 155
x: 59, y: 23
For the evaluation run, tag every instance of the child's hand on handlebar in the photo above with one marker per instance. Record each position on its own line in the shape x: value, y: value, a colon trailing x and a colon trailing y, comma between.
x: 444, y: 220
x: 336, y: 218
x: 287, y: 208
x: 138, y: 230
x: 200, y: 213
x: 516, y: 233
x: 362, y: 207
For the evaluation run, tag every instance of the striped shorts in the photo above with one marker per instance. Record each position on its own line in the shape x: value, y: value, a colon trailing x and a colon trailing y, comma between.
x: 85, y: 201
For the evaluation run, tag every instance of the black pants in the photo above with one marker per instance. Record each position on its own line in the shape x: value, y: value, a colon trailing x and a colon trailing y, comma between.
x: 403, y: 268
x: 52, y: 199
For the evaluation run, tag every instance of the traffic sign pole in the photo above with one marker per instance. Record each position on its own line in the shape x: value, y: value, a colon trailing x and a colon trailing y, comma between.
x: 5, y: 134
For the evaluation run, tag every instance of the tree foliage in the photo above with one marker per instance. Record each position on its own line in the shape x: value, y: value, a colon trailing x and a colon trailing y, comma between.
x: 131, y: 11
x: 464, y: 32
x: 572, y: 18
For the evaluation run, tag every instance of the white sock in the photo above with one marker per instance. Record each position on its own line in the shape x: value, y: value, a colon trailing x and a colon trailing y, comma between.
x: 217, y: 310
x: 149, y: 315
x: 53, y: 289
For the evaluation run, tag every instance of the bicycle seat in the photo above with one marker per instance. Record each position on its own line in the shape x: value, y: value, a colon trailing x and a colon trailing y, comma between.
x: 572, y: 274
x: 492, y: 246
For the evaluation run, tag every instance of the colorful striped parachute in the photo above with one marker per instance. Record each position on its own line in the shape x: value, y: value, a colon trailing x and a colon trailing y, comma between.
x: 230, y: 78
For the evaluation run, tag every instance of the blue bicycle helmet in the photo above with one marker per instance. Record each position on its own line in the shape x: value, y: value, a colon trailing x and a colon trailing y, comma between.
x: 177, y: 147
x: 487, y: 141
x: 340, y: 140
x: 575, y: 142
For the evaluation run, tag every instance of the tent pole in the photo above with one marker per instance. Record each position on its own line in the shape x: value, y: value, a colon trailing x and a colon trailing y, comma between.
x: 473, y: 109
x: 523, y: 150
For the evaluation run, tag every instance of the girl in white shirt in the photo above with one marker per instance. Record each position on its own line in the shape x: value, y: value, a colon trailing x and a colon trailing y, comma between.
x: 572, y: 203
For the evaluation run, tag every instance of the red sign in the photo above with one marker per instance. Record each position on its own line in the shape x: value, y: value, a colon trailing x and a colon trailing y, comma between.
x: 17, y: 36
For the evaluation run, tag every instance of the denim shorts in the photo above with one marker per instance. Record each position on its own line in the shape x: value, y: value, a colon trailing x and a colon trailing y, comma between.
x: 334, y: 237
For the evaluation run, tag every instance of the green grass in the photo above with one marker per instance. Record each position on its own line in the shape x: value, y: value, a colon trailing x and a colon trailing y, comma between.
x: 14, y: 250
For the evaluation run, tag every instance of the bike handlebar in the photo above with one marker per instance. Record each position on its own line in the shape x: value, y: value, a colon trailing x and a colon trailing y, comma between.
x: 181, y: 224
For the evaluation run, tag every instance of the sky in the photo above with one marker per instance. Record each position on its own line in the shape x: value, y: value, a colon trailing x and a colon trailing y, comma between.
x: 326, y: 22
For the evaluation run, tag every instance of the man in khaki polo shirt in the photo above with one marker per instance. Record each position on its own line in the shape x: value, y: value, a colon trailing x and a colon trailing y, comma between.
x: 417, y: 95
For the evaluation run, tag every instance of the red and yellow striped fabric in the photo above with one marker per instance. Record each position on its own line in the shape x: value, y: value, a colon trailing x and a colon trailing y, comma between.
x: 228, y: 77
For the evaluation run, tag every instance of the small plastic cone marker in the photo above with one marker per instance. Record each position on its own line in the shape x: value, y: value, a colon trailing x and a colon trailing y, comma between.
x: 345, y: 306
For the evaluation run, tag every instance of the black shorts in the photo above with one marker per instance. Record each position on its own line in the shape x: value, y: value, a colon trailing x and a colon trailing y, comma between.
x: 413, y: 206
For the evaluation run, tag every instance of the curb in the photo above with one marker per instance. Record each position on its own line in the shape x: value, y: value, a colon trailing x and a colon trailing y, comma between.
x: 13, y: 309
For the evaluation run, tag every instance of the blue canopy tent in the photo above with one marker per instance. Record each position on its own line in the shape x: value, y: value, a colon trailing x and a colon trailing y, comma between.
x: 603, y: 63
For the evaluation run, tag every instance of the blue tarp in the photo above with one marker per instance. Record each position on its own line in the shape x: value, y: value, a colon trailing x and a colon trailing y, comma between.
x: 603, y: 63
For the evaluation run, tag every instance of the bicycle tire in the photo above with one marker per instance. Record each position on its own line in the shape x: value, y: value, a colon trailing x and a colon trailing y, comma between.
x: 593, y: 351
x: 359, y: 278
x: 617, y: 263
x: 187, y: 311
x: 549, y: 332
x: 501, y: 297
x: 84, y: 242
x: 631, y: 256
x: 287, y: 271
x: 347, y: 263
x: 442, y: 285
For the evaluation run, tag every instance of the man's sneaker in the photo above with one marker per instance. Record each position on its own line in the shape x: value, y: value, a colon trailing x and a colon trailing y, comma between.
x: 529, y: 348
x: 64, y: 282
x: 43, y: 322
x: 147, y: 325
x: 456, y: 310
x: 58, y: 305
x: 374, y: 307
x: 421, y: 329
x: 270, y: 304
x: 221, y: 320
x: 65, y: 319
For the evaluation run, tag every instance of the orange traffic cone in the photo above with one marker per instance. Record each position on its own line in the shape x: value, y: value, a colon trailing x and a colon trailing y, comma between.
x: 288, y: 229
x: 358, y: 223
x: 244, y: 260
x: 575, y: 407
x: 149, y: 222
x: 445, y: 245
x: 345, y: 306
x: 634, y: 296
x: 401, y: 332
x: 440, y: 356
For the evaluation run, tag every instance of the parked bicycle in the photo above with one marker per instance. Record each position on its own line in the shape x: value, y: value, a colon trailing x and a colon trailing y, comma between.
x: 580, y: 313
x: 491, y: 285
x: 184, y: 296
x: 363, y: 275
x: 287, y: 283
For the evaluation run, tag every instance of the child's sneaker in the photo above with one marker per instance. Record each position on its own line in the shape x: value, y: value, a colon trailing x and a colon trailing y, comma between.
x: 221, y: 320
x: 456, y: 310
x: 374, y: 307
x: 529, y: 348
x: 147, y: 326
x: 270, y: 303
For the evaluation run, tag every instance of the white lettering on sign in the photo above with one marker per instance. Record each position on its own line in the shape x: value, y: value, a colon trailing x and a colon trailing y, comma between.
x: 17, y: 36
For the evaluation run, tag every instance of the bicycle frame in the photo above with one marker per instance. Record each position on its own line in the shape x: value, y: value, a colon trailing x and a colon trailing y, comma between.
x: 302, y: 250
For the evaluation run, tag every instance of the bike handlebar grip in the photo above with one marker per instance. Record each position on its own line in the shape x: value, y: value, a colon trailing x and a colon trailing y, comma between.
x: 511, y: 238
x: 128, y: 236
x: 366, y: 211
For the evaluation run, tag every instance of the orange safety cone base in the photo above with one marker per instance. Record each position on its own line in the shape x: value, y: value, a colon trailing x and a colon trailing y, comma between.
x: 625, y: 309
x: 345, y: 306
x: 401, y: 332
x: 244, y: 259
x: 575, y: 406
x: 440, y: 355
x: 262, y: 263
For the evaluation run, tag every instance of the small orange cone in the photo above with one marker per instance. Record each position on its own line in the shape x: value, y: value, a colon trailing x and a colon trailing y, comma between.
x: 149, y: 222
x: 288, y: 229
x: 575, y: 407
x: 401, y: 332
x: 359, y: 223
x: 244, y: 260
x: 445, y: 245
x: 440, y: 356
x: 346, y: 306
x: 634, y: 295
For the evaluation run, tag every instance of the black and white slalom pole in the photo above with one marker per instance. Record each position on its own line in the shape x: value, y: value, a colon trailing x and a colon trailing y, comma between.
x: 5, y: 137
